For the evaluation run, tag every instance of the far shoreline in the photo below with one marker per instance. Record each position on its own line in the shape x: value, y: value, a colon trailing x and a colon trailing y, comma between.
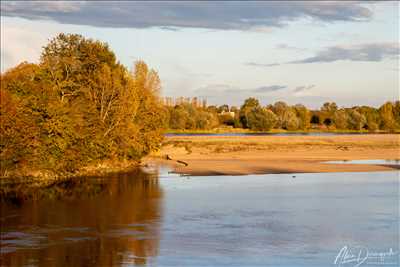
x: 274, y: 131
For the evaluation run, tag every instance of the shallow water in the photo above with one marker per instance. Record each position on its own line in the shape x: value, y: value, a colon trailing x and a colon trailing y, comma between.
x: 254, y: 220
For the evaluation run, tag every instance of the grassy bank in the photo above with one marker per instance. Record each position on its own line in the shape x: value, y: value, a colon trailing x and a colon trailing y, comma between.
x: 274, y: 131
x: 238, y: 143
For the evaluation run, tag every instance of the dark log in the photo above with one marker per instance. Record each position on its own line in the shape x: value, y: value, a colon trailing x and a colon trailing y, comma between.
x: 182, y: 162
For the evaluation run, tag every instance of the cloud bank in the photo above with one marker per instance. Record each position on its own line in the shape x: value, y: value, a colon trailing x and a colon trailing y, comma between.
x: 372, y: 52
x: 171, y: 15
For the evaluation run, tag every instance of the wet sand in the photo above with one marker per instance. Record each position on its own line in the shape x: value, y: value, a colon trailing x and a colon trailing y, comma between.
x: 205, y: 155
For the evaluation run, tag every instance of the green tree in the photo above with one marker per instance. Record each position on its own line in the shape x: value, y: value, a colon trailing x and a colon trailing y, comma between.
x: 206, y: 120
x: 178, y: 117
x: 260, y: 119
x: 248, y: 105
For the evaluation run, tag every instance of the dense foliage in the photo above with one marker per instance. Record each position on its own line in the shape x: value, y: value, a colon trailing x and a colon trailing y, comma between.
x: 78, y: 106
x: 251, y: 115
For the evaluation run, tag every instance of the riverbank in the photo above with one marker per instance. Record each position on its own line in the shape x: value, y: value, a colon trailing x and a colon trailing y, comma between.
x: 241, y: 155
x: 230, y: 130
x: 19, y: 186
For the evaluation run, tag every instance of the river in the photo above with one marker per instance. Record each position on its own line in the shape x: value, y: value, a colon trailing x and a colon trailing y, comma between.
x: 163, y: 219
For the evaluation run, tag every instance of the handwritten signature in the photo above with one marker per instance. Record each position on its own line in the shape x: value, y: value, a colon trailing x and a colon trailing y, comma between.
x: 356, y: 256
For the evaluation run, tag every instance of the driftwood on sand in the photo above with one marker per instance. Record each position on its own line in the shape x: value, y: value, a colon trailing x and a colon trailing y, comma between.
x: 179, y: 161
x: 182, y: 162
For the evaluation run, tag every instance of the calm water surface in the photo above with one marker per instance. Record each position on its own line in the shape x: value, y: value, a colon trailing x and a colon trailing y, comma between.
x: 168, y: 220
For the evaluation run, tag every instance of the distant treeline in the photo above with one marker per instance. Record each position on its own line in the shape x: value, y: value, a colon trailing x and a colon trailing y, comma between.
x: 251, y: 115
x: 77, y: 107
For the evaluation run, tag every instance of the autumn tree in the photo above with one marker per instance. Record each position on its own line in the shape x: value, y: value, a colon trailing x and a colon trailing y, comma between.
x: 206, y: 120
x: 315, y: 117
x: 303, y: 116
x: 287, y: 117
x: 223, y: 108
x: 248, y: 105
x: 80, y: 106
x: 148, y: 117
x: 386, y: 112
x: 372, y: 117
x: 327, y: 113
x: 261, y: 119
x: 341, y: 119
x: 18, y: 142
x: 356, y: 120
x: 396, y: 112
x: 178, y: 117
x: 226, y: 119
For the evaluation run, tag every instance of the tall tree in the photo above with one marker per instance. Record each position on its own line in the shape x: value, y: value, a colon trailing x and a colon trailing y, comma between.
x: 248, y: 105
x: 386, y: 112
x: 356, y: 120
x: 303, y: 115
x: 327, y: 113
x: 261, y: 119
x: 341, y: 119
x: 79, y: 106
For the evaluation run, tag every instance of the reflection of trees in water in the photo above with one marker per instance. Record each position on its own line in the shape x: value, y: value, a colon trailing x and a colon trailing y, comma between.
x: 118, y: 225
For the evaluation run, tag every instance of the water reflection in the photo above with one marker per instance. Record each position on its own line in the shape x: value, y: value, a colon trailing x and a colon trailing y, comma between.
x: 115, y: 221
x: 254, y: 220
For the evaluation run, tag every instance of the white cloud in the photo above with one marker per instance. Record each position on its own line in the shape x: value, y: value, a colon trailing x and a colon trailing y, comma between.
x: 22, y: 43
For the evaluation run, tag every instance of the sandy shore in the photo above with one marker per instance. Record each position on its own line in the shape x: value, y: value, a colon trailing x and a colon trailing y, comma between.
x: 206, y: 155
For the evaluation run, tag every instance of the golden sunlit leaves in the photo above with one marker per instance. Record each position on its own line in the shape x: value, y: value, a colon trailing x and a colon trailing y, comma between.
x: 80, y: 106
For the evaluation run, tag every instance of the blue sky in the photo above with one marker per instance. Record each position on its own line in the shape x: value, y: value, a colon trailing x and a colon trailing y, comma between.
x: 299, y: 52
